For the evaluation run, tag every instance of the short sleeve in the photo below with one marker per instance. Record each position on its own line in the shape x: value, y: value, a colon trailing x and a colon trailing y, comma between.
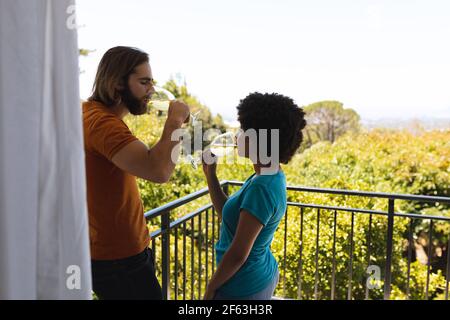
x: 108, y: 135
x: 258, y: 201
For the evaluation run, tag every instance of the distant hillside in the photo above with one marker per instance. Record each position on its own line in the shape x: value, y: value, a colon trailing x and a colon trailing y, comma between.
x: 411, y: 124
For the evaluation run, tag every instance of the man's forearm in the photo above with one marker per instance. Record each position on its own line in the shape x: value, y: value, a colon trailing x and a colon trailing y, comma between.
x: 163, y: 152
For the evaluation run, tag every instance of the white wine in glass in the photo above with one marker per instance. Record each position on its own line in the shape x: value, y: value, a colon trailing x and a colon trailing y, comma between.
x: 221, y: 151
x: 222, y: 145
x: 160, y: 100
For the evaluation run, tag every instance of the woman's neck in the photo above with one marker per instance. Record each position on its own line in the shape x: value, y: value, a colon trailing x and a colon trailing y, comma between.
x: 265, y: 169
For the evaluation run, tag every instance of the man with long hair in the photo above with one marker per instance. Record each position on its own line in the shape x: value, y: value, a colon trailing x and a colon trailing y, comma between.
x: 122, y: 263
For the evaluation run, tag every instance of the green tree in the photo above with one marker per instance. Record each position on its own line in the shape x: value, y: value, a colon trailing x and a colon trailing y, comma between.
x: 328, y: 120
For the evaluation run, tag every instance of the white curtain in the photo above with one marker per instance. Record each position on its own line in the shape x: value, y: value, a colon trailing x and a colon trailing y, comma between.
x: 44, y: 244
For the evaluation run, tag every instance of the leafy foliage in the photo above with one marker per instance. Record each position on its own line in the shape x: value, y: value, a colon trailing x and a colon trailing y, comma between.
x: 377, y: 161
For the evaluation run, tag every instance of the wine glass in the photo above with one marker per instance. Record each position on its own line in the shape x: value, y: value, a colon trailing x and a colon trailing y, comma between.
x: 221, y: 146
x: 160, y: 100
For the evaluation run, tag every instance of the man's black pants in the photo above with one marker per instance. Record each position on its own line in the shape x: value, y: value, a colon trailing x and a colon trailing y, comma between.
x: 129, y: 278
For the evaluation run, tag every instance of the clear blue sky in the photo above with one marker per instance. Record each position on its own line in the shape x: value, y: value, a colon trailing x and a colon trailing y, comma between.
x: 381, y: 58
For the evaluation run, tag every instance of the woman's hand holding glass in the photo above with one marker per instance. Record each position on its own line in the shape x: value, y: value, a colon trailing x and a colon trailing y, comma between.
x: 209, y: 163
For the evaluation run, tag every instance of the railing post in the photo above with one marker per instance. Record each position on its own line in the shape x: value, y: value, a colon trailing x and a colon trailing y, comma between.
x: 447, y: 276
x: 390, y: 231
x: 285, y: 251
x: 300, y: 262
x: 165, y: 254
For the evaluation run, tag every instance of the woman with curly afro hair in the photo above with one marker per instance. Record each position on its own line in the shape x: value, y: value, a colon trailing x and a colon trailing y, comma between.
x: 247, y: 270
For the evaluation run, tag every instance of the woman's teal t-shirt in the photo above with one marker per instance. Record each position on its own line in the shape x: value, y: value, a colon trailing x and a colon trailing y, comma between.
x: 264, y: 196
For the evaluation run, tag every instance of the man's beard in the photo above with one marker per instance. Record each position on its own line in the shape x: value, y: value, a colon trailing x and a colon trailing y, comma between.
x: 135, y: 106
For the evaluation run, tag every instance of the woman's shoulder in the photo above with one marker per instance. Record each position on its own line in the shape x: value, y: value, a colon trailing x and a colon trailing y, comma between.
x: 270, y: 181
x: 273, y: 186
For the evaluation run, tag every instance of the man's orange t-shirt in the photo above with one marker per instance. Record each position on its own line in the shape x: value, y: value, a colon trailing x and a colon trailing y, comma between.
x: 117, y: 227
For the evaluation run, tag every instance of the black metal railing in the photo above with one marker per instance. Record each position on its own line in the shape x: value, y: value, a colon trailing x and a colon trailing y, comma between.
x: 184, y: 272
